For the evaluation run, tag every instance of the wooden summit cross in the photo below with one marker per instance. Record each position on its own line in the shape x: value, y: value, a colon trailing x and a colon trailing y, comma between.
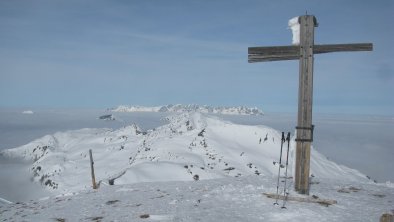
x: 304, y: 52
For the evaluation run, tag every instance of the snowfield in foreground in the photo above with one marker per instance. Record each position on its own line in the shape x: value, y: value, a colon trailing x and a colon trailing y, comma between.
x: 196, y: 167
x: 227, y: 199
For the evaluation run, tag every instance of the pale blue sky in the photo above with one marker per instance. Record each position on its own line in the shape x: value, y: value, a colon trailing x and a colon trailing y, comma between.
x: 101, y: 53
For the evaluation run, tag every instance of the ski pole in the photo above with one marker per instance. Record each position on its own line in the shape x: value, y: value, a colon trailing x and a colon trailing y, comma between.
x: 280, y: 165
x: 285, y: 193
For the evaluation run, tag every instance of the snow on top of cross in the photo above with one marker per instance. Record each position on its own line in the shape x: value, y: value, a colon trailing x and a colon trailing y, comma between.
x: 192, y: 146
x: 295, y: 29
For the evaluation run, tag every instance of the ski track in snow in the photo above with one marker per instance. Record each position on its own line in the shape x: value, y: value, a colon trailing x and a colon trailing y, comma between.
x: 154, y: 175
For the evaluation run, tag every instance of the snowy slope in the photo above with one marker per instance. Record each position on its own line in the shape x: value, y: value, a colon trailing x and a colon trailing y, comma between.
x: 190, y: 144
x: 234, y: 168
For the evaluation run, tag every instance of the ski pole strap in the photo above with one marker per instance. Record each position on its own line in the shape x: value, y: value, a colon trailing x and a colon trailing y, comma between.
x: 311, y: 128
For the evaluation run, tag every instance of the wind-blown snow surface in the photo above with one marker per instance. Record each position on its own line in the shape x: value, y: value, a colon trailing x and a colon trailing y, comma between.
x: 226, y: 199
x: 232, y: 165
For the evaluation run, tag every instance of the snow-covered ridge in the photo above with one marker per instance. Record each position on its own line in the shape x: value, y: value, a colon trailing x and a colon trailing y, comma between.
x: 201, y: 167
x: 238, y: 110
x: 192, y: 146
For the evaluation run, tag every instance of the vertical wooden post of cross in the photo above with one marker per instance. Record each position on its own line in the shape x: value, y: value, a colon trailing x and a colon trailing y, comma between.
x: 92, y: 169
x: 305, y: 92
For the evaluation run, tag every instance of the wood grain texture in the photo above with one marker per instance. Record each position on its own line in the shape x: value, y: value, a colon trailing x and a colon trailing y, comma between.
x: 354, y: 47
x: 278, y: 53
x: 305, y: 98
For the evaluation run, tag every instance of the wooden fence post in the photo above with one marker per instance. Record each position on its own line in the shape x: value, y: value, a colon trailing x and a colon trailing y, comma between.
x: 92, y: 170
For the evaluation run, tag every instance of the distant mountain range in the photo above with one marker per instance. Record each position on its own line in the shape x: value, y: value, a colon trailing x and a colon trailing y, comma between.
x: 238, y: 110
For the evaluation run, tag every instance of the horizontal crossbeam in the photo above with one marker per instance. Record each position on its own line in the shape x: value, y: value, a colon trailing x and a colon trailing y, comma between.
x: 273, y: 53
x: 278, y: 53
x: 317, y: 49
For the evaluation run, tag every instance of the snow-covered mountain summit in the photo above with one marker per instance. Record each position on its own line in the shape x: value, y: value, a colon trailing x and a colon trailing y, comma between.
x: 202, y: 169
x: 192, y: 146
x: 236, y: 110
